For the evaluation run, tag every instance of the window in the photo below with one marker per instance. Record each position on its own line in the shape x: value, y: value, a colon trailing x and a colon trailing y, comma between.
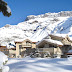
x: 20, y: 46
x: 28, y: 43
x: 51, y: 45
x: 4, y: 49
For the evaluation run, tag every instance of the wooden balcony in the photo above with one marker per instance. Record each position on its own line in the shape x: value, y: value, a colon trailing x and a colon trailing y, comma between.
x: 45, y: 49
x: 27, y: 46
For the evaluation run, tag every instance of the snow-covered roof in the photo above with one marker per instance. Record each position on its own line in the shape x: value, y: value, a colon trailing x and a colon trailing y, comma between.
x: 3, y: 44
x: 51, y: 41
x: 21, y: 40
x: 59, y: 35
x: 10, y: 46
x: 54, y: 41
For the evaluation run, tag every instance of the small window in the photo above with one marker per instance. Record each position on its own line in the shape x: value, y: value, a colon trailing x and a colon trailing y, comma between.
x: 4, y: 49
x: 20, y: 46
x: 28, y: 43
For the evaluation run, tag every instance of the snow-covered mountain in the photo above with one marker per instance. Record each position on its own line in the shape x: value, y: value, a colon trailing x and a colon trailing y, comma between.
x: 37, y: 27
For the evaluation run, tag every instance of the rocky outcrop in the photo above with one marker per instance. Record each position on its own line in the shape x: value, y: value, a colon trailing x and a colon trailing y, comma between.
x: 59, y: 14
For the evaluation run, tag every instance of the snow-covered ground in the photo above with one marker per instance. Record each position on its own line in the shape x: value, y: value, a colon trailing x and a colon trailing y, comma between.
x: 40, y: 65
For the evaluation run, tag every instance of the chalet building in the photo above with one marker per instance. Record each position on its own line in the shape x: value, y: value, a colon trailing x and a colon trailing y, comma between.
x: 19, y: 49
x: 8, y: 51
x: 24, y: 46
x: 4, y: 50
x: 56, y: 44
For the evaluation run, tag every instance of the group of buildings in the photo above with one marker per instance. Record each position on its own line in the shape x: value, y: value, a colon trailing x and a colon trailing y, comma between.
x: 54, y: 45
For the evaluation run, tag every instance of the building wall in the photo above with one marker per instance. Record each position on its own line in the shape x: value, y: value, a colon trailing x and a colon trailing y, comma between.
x: 51, y: 48
x: 17, y: 49
x: 24, y: 42
x: 23, y: 49
x: 4, y: 50
x: 24, y: 45
x: 57, y: 51
x: 33, y: 45
x: 43, y: 51
x: 12, y: 51
x: 46, y: 46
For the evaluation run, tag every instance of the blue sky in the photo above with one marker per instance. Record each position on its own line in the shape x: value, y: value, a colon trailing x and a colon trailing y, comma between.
x: 22, y: 8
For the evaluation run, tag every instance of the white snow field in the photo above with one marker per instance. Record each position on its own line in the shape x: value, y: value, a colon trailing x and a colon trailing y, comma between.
x: 40, y: 65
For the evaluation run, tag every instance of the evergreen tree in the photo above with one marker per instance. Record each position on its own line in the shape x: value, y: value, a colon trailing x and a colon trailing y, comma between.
x: 4, y: 8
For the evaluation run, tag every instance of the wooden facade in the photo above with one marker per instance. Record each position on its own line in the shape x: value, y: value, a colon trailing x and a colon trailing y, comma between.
x: 58, y: 49
x: 22, y: 47
x: 4, y: 50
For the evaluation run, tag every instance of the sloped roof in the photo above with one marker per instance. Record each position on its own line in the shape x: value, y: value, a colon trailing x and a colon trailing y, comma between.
x: 58, y: 36
x: 21, y: 40
x: 55, y: 42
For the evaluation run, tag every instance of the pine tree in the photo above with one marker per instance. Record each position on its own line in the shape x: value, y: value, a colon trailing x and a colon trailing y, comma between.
x: 4, y: 8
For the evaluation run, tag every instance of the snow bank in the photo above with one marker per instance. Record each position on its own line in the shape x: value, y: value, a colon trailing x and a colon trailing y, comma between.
x: 5, y: 69
x: 3, y: 60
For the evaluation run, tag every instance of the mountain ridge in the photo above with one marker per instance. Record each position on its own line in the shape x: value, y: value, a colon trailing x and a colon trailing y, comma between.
x: 36, y: 27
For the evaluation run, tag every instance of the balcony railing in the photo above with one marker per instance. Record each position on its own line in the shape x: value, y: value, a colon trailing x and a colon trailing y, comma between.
x: 26, y: 45
x: 45, y: 49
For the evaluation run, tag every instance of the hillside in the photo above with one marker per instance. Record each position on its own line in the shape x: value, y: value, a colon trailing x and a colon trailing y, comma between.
x: 37, y: 27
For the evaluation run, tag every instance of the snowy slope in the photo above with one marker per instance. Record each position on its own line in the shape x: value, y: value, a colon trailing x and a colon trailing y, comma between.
x: 37, y: 27
x: 65, y: 27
